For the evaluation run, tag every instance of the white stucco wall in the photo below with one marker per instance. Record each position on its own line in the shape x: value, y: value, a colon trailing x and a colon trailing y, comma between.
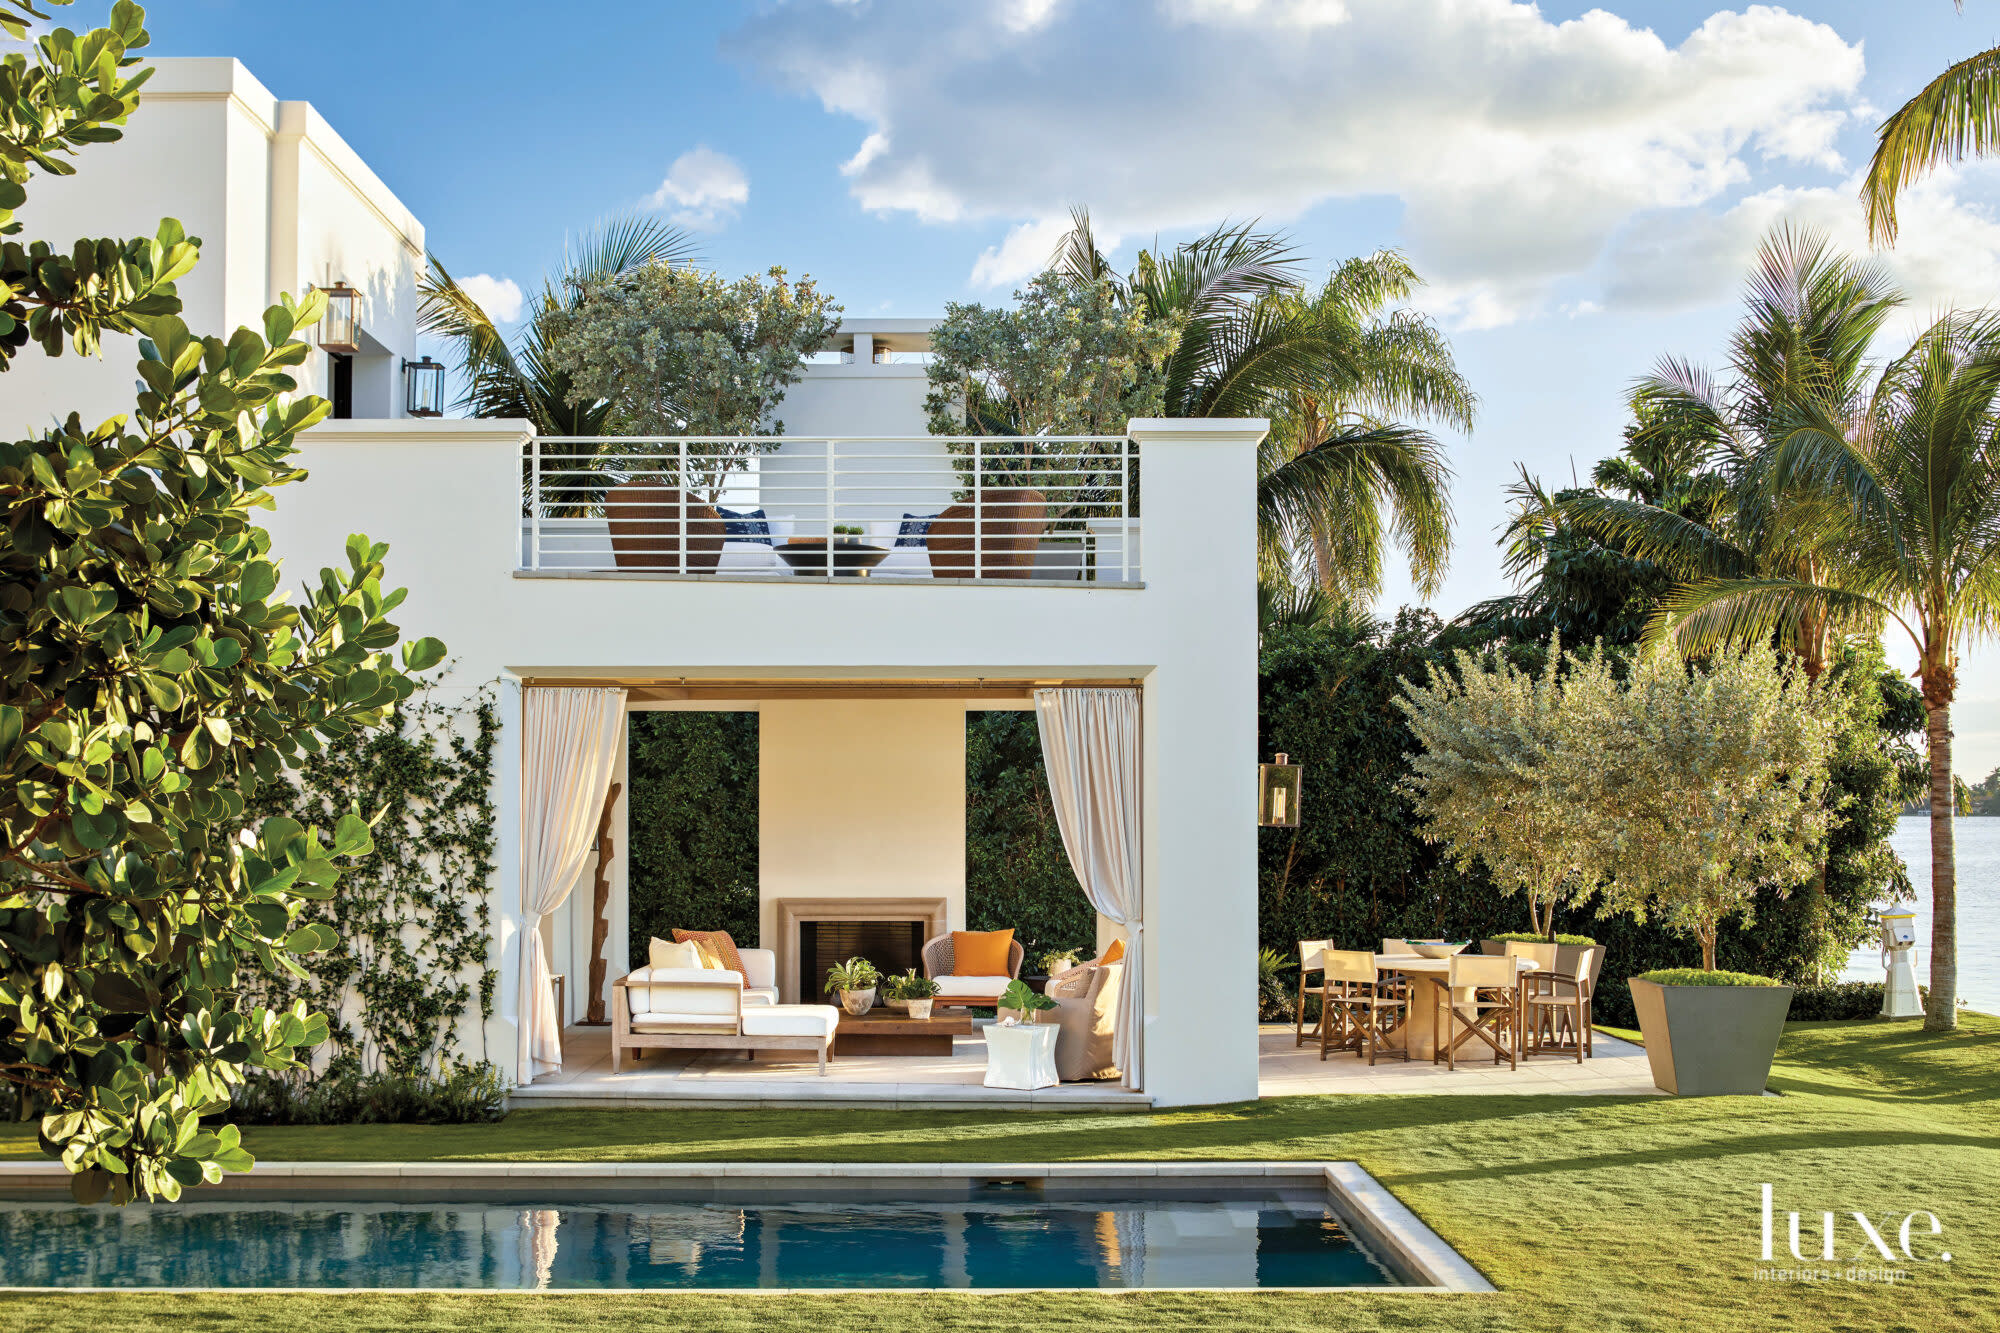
x: 445, y: 495
x: 861, y: 798
x: 279, y: 202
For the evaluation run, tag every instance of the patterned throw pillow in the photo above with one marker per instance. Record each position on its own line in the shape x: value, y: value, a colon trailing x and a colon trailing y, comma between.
x: 719, y: 943
x: 916, y: 530
x: 744, y: 525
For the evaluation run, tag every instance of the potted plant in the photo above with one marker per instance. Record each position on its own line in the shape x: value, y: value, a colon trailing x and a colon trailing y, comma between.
x: 1712, y: 785
x: 1057, y: 961
x: 1022, y: 1003
x: 854, y: 982
x: 910, y: 993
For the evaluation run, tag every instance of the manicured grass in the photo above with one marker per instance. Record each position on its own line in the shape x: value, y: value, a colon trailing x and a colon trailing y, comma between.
x: 1589, y: 1213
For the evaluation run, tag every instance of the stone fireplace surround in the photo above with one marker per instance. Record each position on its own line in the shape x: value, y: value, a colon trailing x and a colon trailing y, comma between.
x: 789, y: 912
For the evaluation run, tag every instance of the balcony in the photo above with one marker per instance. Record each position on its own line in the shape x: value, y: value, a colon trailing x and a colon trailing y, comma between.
x: 1053, y: 510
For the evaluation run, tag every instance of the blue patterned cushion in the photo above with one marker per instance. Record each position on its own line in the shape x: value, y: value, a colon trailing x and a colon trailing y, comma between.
x: 915, y: 530
x: 746, y: 525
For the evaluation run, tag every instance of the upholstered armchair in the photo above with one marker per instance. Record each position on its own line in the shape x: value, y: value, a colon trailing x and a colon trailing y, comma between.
x: 1086, y: 1017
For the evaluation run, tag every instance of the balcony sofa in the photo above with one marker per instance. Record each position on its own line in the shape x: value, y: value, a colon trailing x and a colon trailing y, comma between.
x: 694, y: 1008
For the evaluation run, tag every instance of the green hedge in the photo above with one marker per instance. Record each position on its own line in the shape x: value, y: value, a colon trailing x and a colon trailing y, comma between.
x: 1017, y: 875
x: 693, y: 825
x: 1356, y: 871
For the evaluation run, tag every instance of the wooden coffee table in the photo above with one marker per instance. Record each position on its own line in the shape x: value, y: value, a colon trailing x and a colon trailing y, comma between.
x: 892, y: 1032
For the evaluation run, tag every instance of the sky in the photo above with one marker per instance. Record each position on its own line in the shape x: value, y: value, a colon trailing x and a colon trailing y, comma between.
x: 1582, y: 187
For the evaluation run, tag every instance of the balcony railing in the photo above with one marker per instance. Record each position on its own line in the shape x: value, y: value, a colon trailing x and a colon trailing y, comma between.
x: 1040, y: 508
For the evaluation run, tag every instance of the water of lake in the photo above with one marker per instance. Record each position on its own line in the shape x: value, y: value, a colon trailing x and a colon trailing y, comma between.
x: 1978, y: 845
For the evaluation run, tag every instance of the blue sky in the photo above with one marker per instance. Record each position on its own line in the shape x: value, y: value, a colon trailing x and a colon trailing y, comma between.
x: 1582, y: 185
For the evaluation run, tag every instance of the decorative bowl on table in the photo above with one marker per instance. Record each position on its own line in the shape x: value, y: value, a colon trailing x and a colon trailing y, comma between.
x: 1437, y: 948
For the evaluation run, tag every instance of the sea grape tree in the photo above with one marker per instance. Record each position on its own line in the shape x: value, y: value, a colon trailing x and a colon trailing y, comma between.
x: 153, y: 678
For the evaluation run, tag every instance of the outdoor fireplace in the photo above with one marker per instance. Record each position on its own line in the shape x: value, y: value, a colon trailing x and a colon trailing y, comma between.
x: 893, y: 946
x: 810, y: 935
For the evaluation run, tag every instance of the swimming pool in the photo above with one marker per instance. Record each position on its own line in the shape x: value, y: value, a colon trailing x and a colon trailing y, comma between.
x: 539, y: 1228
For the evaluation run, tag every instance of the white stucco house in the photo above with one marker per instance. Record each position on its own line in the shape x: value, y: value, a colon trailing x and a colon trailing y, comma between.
x: 892, y: 583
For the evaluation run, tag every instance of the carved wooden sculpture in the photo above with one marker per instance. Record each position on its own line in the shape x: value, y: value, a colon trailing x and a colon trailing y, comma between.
x: 600, y: 926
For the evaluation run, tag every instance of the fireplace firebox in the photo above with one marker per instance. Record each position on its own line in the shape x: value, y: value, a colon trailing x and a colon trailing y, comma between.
x: 893, y: 946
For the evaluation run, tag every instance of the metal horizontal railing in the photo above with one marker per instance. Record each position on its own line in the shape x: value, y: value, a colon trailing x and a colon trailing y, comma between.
x: 1037, y: 508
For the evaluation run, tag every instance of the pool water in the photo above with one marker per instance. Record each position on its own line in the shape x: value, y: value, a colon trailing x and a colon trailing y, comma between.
x: 1275, y: 1240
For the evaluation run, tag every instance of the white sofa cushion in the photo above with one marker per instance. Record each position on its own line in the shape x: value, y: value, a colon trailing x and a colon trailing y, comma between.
x: 671, y: 1022
x: 760, y: 969
x: 971, y: 985
x: 748, y: 558
x: 653, y: 990
x: 911, y: 562
x: 791, y: 1020
x: 760, y: 995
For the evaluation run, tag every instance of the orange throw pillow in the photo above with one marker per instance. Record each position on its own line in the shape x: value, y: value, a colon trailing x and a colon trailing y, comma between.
x: 1113, y: 954
x: 718, y: 943
x: 981, y: 953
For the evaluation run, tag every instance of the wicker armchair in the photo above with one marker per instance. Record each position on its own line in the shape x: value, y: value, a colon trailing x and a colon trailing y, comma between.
x: 1010, y: 533
x: 938, y: 967
x: 645, y: 519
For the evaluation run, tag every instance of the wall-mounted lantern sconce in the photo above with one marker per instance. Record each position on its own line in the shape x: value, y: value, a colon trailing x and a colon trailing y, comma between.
x: 423, y: 387
x: 1278, y: 793
x: 340, y: 327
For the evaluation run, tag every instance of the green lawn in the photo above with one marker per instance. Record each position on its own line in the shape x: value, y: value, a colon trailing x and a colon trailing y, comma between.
x: 1589, y: 1213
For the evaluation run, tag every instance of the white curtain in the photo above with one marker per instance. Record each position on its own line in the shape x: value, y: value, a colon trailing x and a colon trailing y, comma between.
x: 1090, y: 745
x: 569, y: 745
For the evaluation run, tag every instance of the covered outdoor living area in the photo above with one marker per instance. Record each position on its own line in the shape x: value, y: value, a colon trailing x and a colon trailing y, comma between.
x: 861, y: 850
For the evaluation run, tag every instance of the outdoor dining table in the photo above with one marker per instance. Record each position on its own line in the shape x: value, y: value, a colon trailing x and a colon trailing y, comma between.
x: 1418, y: 1032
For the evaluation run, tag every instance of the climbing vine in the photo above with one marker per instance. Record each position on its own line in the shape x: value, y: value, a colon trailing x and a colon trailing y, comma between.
x: 412, y: 916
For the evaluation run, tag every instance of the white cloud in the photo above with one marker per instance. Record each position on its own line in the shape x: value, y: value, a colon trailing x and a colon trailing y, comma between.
x: 500, y: 298
x: 710, y: 188
x: 1025, y: 251
x: 1948, y: 251
x: 1517, y: 147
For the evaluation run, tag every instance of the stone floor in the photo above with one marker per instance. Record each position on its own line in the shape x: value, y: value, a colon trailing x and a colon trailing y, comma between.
x: 723, y: 1079
x: 1615, y: 1068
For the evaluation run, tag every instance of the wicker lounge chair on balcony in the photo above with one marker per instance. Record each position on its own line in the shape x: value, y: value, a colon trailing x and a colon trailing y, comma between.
x: 1010, y: 534
x: 645, y: 518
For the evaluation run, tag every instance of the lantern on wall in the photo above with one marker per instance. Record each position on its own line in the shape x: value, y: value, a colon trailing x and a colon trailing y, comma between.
x: 1278, y: 793
x: 340, y: 327
x: 423, y: 388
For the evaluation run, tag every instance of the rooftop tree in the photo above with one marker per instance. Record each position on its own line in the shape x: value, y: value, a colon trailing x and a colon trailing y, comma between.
x: 153, y: 678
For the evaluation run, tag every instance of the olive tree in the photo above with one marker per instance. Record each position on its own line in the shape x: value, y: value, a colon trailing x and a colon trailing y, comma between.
x: 676, y: 351
x: 1709, y: 783
x: 1501, y: 773
x: 153, y: 679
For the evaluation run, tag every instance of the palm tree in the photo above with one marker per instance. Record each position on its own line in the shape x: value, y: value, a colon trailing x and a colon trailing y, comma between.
x: 1332, y: 369
x: 1905, y: 495
x: 1800, y: 354
x: 1957, y: 115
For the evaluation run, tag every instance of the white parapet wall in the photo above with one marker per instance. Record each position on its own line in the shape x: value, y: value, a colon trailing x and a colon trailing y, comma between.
x: 446, y: 495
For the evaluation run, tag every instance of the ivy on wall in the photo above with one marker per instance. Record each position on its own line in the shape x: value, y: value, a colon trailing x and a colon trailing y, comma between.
x: 413, y: 916
x: 692, y: 823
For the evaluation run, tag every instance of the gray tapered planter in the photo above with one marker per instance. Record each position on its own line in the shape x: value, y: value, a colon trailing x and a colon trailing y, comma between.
x: 1710, y: 1041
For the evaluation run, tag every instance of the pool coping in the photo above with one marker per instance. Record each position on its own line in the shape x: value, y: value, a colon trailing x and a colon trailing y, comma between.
x: 1381, y: 1220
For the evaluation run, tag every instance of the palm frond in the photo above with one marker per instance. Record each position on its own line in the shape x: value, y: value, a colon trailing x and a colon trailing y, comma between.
x: 1714, y: 615
x: 1957, y: 115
